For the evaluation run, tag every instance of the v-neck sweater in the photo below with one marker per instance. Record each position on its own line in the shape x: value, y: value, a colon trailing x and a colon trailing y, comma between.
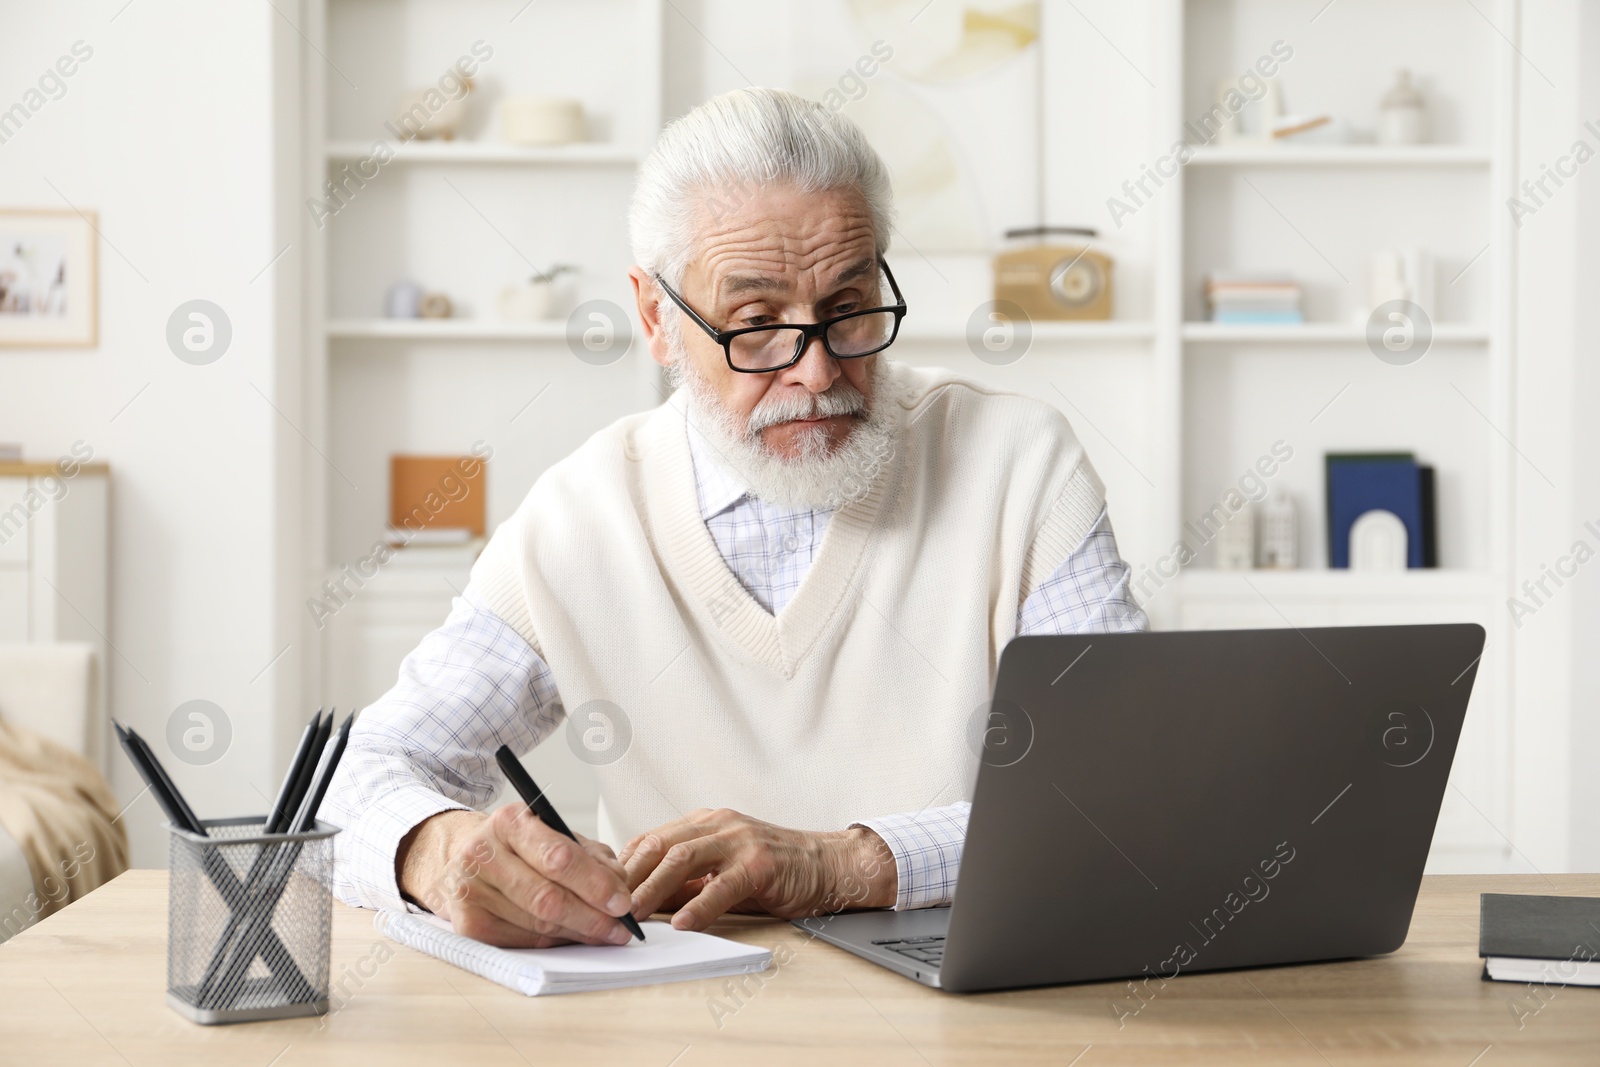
x: 867, y: 693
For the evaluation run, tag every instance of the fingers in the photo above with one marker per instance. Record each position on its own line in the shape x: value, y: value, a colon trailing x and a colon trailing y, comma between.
x: 628, y: 849
x: 598, y: 849
x: 485, y: 914
x: 602, y: 852
x: 492, y: 930
x: 472, y: 899
x: 644, y: 853
x: 542, y: 904
x: 677, y: 866
x: 690, y: 890
x: 549, y: 884
x: 720, y: 894
x: 697, y: 823
x: 588, y: 878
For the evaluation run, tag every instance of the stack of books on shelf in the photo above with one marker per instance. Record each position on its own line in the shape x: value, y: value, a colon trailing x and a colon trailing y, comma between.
x: 1246, y: 298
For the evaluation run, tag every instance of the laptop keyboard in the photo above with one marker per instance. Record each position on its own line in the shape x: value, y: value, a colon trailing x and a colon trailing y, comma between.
x: 928, y: 950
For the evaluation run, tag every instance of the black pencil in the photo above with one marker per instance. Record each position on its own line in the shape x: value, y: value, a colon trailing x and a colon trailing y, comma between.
x: 282, y: 808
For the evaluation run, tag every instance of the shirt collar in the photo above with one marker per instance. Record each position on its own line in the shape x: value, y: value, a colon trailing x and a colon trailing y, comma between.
x: 717, y: 487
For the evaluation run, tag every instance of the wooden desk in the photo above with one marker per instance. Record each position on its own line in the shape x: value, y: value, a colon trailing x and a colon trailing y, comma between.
x: 86, y: 986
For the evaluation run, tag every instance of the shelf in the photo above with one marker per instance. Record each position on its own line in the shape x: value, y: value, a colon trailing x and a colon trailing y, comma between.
x: 1042, y: 331
x: 1317, y: 333
x: 491, y: 152
x: 1322, y: 584
x: 495, y: 330
x: 1357, y: 155
x: 446, y: 330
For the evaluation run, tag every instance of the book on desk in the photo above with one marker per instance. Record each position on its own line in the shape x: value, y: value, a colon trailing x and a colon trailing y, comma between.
x: 1526, y: 938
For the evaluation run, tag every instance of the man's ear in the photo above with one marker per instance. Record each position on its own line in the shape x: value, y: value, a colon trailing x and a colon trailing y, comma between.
x: 649, y: 298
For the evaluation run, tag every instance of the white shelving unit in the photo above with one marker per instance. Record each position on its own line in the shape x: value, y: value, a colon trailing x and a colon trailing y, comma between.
x: 1227, y: 392
x: 1353, y: 155
x: 445, y: 330
x: 468, y: 217
x: 490, y: 152
x: 1043, y: 332
x: 1171, y: 409
x: 1317, y: 333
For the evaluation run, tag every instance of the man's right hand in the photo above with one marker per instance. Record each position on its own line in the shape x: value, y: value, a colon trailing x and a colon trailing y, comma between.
x: 507, y: 879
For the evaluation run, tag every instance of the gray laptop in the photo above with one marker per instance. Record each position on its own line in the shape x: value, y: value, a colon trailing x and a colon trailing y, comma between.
x: 1157, y: 804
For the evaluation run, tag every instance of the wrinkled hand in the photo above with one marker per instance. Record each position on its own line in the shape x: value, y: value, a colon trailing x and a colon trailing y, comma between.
x: 713, y: 862
x: 508, y: 879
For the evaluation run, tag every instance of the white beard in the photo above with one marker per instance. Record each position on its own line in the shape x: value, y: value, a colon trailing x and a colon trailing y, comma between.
x: 815, y: 478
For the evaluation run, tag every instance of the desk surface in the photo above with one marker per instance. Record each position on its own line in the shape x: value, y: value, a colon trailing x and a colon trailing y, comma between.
x: 86, y: 986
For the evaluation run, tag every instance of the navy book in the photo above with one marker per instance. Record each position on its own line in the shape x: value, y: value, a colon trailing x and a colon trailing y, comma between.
x: 1359, y: 483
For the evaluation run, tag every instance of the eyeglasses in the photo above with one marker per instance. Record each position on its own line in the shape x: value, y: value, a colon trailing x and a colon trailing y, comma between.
x: 764, y: 349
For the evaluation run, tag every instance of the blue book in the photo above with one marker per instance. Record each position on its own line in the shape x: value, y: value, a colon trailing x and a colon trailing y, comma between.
x: 1358, y: 483
x: 1240, y: 317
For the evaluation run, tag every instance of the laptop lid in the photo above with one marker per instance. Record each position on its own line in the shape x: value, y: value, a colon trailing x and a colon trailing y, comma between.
x: 1154, y: 804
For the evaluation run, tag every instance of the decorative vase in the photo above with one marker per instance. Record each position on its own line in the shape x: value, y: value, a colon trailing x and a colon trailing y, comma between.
x: 1403, y: 115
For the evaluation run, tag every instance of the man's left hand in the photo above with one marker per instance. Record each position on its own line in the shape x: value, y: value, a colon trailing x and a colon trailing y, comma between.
x: 713, y: 862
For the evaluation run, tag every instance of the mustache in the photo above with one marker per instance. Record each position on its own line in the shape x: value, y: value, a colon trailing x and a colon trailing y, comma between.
x: 841, y: 398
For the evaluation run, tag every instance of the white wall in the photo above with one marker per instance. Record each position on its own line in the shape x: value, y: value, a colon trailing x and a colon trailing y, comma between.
x: 167, y: 133
x: 1546, y: 469
x: 1585, y: 687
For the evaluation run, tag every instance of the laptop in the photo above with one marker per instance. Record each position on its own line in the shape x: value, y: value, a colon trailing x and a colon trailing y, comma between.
x: 1154, y: 804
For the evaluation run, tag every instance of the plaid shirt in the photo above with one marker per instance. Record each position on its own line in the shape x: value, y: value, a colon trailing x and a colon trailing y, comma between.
x: 426, y: 746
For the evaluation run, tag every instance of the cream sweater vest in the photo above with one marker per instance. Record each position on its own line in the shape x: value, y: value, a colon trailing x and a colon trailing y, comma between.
x: 859, y: 699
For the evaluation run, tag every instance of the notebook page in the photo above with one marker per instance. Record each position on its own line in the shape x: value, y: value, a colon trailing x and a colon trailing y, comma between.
x: 666, y: 954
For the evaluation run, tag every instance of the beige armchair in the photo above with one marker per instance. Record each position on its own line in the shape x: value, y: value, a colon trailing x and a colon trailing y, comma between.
x: 53, y: 805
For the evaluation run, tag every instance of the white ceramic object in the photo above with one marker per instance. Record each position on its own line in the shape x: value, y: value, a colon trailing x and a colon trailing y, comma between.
x: 1256, y: 120
x: 1378, y: 542
x: 532, y: 301
x: 1402, y: 274
x: 402, y: 300
x: 424, y: 113
x: 1403, y: 114
x: 541, y: 120
x: 1279, y: 546
x: 1236, y: 541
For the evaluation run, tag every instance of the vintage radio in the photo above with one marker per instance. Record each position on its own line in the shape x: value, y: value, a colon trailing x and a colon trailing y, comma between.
x: 1054, y: 281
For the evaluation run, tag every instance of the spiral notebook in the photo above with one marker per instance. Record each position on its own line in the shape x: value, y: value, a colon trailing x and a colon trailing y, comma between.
x: 666, y: 955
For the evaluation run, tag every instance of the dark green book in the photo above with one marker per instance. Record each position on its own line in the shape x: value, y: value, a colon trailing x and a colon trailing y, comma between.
x: 1526, y: 938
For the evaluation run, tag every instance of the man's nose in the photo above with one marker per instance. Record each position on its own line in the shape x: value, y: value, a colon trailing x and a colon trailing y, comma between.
x: 817, y: 370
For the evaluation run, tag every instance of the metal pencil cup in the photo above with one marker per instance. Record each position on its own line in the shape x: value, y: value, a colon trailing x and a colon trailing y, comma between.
x: 249, y: 922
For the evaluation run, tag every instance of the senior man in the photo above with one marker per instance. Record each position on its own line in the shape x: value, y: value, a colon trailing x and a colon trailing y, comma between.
x: 795, y: 578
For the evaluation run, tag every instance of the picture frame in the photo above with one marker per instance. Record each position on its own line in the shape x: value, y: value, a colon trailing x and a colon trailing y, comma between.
x: 49, y: 278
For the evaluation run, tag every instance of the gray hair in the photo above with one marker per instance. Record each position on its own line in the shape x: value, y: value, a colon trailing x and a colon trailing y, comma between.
x: 722, y: 152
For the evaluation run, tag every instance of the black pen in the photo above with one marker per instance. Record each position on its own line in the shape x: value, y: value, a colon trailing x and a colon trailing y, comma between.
x: 540, y: 805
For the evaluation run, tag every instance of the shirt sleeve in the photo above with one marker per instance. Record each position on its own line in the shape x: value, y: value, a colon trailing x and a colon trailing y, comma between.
x: 427, y: 745
x: 1087, y: 593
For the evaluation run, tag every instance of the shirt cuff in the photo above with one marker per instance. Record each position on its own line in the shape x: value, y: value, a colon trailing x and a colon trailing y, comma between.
x: 366, y: 859
x: 927, y: 852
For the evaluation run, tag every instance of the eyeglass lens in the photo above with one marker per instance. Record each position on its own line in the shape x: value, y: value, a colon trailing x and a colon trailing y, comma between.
x: 859, y: 335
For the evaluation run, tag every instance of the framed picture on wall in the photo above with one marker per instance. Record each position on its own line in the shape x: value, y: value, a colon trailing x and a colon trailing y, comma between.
x: 49, y: 291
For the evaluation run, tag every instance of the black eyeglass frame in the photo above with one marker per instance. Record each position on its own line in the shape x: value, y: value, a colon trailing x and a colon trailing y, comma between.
x: 808, y: 331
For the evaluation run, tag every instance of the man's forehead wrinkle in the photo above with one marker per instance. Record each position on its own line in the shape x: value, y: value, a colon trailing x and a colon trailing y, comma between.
x: 781, y: 237
x: 745, y: 281
x: 761, y: 265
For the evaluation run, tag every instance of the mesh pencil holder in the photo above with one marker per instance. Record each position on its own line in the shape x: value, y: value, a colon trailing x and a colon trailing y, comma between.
x: 249, y: 922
